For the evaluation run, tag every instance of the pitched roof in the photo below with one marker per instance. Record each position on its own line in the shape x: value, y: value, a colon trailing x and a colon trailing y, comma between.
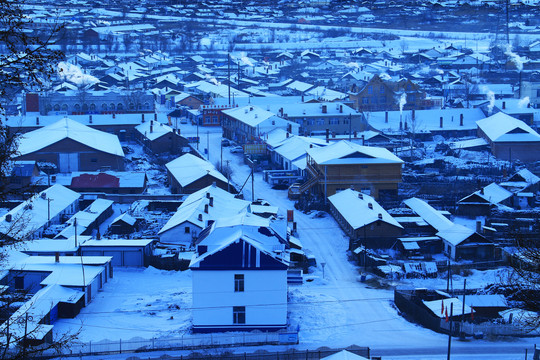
x: 189, y: 168
x: 501, y: 127
x: 432, y: 216
x: 69, y: 129
x: 224, y: 205
x: 32, y: 214
x: 345, y: 152
x: 355, y: 209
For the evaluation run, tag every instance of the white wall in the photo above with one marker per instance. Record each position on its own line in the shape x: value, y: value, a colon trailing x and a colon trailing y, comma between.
x: 177, y: 235
x: 264, y: 296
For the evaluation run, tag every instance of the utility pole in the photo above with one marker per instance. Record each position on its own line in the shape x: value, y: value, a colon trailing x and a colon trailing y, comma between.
x: 229, y: 75
x: 228, y: 176
x: 208, y: 144
x: 450, y: 332
x: 252, y: 182
x: 350, y: 127
x: 463, y: 307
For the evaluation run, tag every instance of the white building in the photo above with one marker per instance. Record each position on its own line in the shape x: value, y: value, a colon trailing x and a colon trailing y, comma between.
x: 239, y: 275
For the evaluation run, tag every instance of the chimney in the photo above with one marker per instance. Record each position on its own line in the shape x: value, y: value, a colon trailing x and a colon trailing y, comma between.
x: 211, y: 203
x: 406, y: 126
x: 361, y: 196
x: 114, y: 116
x: 324, y: 109
x: 504, y: 105
x: 370, y: 206
x: 482, y: 191
x: 8, y: 217
x: 460, y: 119
x: 340, y: 108
x: 413, y: 114
x: 327, y: 135
x: 208, y: 195
x: 363, y: 140
x: 479, y: 226
x: 142, y: 117
x: 57, y: 257
x: 90, y: 119
x: 441, y: 122
x: 37, y: 120
x: 199, y: 217
x: 155, y: 116
x: 386, y: 117
x: 287, y: 135
x: 151, y: 126
x: 379, y: 216
x: 206, y: 208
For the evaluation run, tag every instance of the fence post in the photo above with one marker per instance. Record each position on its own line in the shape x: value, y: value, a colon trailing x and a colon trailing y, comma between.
x: 120, y: 342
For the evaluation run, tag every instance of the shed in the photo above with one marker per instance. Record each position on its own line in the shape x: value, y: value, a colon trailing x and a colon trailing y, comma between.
x: 124, y: 252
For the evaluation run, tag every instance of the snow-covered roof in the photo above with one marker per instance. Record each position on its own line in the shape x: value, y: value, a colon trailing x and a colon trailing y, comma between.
x: 32, y: 214
x: 250, y: 115
x: 441, y: 308
x: 345, y: 152
x: 153, y: 130
x: 125, y: 217
x: 426, y: 120
x: 432, y: 216
x: 53, y: 245
x: 252, y: 229
x: 300, y: 86
x: 224, y: 205
x: 477, y: 301
x: 117, y: 243
x: 455, y: 234
x: 355, y: 209
x: 37, y: 308
x: 333, y: 109
x: 323, y: 93
x: 85, y: 218
x: 344, y: 355
x: 295, y: 147
x: 501, y: 127
x: 492, y: 193
x: 189, y: 168
x: 69, y: 129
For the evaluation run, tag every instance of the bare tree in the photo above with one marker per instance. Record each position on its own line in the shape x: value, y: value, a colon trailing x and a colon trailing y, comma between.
x: 523, y: 282
x: 26, y: 62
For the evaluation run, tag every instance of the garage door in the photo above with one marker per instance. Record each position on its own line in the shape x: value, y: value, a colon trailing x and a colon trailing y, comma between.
x: 133, y: 258
x: 117, y: 257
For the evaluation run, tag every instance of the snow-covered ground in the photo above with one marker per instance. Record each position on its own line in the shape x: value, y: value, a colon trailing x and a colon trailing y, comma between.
x: 334, y: 310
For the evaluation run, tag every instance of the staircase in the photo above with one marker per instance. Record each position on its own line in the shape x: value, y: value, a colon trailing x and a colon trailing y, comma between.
x: 294, y: 277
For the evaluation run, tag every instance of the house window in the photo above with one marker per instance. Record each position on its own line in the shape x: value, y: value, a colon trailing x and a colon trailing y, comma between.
x: 365, y: 100
x: 334, y: 121
x: 370, y: 89
x: 239, y: 314
x: 381, y: 89
x: 320, y: 121
x: 538, y: 93
x: 238, y: 282
x: 186, y: 230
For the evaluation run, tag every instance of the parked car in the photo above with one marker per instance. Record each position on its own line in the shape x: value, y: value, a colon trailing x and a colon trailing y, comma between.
x: 225, y: 143
x: 237, y: 149
x: 294, y: 191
